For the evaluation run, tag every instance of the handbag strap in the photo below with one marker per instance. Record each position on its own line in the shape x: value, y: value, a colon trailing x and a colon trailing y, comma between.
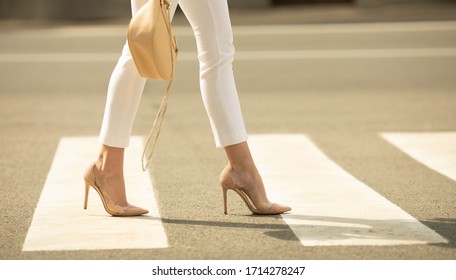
x: 158, y: 121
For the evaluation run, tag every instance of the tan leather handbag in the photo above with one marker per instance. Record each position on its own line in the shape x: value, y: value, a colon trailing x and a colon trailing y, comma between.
x: 154, y: 50
x: 152, y: 42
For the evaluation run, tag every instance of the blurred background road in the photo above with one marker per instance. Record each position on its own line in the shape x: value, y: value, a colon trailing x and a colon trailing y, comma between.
x: 340, y: 74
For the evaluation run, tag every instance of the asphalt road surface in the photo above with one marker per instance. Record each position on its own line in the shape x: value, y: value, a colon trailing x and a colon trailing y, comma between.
x: 340, y: 85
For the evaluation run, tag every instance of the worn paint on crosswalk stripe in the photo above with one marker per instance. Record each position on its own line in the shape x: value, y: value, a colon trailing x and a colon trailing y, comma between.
x: 61, y: 223
x: 330, y: 206
x: 436, y: 150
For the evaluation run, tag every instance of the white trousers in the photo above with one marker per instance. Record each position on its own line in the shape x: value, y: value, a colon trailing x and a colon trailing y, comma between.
x: 212, y: 29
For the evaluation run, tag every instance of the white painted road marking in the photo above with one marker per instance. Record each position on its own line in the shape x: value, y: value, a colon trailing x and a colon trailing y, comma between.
x: 330, y: 206
x: 61, y: 223
x: 436, y: 150
x: 241, y: 55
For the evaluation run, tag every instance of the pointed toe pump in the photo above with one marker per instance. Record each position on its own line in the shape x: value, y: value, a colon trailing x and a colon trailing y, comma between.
x: 251, y: 199
x: 109, y: 205
x: 258, y: 208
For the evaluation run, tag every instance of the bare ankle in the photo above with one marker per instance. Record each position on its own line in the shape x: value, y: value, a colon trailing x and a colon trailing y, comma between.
x: 110, y: 160
x: 239, y: 175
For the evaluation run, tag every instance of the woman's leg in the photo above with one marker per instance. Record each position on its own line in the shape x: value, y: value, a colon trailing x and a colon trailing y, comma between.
x: 212, y: 28
x: 124, y: 94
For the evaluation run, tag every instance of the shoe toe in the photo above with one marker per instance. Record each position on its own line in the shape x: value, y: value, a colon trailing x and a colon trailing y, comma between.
x: 279, y: 209
x: 141, y: 211
x: 132, y: 210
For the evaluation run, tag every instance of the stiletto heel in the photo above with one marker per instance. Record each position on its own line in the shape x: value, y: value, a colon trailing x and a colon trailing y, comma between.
x: 225, y: 208
x: 86, y: 196
x: 108, y: 204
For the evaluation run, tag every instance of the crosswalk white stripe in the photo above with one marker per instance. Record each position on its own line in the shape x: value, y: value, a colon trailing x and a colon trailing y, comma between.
x: 61, y: 223
x: 330, y: 206
x: 436, y: 150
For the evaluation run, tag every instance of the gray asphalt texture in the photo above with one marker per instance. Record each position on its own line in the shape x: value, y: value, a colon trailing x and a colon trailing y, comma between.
x: 342, y: 104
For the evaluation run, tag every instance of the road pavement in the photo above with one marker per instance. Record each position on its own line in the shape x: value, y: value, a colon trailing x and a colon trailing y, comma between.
x: 341, y: 85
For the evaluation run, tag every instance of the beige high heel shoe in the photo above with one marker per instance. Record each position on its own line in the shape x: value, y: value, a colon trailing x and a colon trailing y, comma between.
x: 250, y: 199
x: 109, y: 205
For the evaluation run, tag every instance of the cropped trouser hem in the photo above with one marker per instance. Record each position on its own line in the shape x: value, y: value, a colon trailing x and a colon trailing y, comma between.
x: 114, y: 141
x: 231, y: 139
x: 122, y: 141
